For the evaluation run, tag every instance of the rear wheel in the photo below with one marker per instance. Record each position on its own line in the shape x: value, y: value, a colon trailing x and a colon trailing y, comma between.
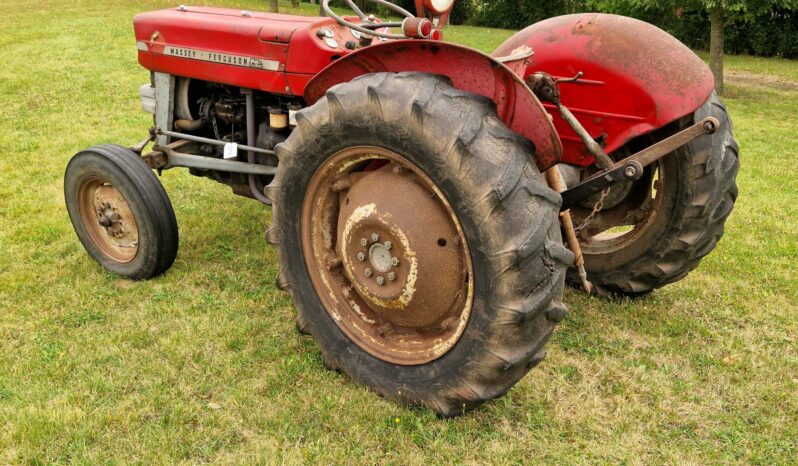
x: 120, y: 212
x: 654, y: 231
x: 422, y: 253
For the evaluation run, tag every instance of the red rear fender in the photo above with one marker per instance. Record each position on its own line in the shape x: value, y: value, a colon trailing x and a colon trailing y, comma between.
x: 468, y: 69
x: 637, y: 78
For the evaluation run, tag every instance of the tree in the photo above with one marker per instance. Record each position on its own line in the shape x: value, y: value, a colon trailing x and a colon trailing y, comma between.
x: 721, y: 13
x: 273, y: 6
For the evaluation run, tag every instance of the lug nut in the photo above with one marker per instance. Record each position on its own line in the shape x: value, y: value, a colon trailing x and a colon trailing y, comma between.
x: 361, y: 256
x: 364, y: 242
x: 367, y: 272
x: 391, y: 276
x: 380, y: 280
x: 375, y: 237
x: 394, y: 261
x: 388, y: 245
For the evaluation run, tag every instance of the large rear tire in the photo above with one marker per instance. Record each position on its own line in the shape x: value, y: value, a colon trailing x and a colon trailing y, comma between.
x: 391, y: 137
x: 687, y: 213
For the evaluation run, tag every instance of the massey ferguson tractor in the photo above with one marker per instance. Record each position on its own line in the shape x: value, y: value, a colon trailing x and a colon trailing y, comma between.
x: 430, y: 202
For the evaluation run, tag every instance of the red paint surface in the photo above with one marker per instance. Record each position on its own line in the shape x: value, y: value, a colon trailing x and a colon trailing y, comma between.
x: 637, y: 78
x: 290, y: 40
x: 469, y: 70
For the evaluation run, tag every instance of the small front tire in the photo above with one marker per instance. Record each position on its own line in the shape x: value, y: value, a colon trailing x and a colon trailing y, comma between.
x: 121, y: 212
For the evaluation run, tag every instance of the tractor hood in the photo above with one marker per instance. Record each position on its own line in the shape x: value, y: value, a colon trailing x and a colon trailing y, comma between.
x: 271, y: 52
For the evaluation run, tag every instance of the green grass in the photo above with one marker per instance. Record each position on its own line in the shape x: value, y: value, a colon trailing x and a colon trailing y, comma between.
x: 203, y: 364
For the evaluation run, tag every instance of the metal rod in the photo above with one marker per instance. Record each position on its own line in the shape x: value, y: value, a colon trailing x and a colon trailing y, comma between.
x: 325, y: 4
x: 179, y: 159
x: 252, y: 179
x: 356, y: 9
x: 215, y: 142
x: 602, y: 159
x: 391, y: 24
x: 555, y: 181
x: 654, y: 152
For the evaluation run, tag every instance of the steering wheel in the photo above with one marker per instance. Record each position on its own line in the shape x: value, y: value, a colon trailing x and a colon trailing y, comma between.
x: 412, y: 27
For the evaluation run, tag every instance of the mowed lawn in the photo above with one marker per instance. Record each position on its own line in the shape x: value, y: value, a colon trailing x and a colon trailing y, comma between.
x: 203, y: 365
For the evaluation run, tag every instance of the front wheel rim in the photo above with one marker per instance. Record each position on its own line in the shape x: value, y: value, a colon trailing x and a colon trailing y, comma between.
x: 387, y: 255
x: 108, y: 220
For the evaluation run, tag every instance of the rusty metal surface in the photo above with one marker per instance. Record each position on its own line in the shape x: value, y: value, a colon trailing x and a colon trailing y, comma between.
x: 387, y: 256
x: 108, y: 219
x: 556, y: 183
x: 615, y: 228
x: 636, y: 77
x: 469, y: 70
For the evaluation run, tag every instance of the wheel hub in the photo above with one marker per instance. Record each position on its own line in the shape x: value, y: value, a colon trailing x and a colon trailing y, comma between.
x: 380, y: 257
x: 406, y: 276
x: 109, y: 220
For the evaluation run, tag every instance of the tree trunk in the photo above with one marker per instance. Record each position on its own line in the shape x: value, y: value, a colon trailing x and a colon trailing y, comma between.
x: 717, y: 21
x: 273, y: 6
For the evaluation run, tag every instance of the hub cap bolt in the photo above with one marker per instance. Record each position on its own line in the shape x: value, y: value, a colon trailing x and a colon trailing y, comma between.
x: 367, y: 272
x: 364, y: 242
x: 394, y: 261
x: 380, y: 280
x: 375, y: 237
x: 391, y: 276
x: 388, y: 245
x: 361, y: 256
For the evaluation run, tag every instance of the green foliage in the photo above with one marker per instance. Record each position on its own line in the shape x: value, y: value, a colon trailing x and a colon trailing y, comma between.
x: 517, y: 14
x: 762, y: 27
x: 463, y: 9
x: 734, y: 9
x: 759, y: 27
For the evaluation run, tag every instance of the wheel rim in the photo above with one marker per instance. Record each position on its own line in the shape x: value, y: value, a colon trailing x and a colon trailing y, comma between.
x: 108, y: 220
x: 387, y: 255
x: 637, y: 220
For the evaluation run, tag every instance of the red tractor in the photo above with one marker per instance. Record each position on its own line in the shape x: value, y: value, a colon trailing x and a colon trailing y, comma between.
x: 430, y: 202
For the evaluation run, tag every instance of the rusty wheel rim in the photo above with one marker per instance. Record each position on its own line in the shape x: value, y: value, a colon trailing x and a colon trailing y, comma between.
x: 387, y: 255
x: 616, y: 239
x: 108, y: 220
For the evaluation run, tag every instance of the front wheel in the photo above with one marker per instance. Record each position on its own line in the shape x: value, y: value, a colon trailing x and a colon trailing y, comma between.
x: 423, y: 253
x: 646, y: 234
x: 120, y: 212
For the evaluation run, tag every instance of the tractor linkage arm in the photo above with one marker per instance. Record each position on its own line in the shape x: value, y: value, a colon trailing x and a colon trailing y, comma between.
x: 631, y: 168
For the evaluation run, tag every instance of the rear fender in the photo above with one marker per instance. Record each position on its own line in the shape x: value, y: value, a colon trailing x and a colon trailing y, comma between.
x: 637, y: 78
x: 468, y: 69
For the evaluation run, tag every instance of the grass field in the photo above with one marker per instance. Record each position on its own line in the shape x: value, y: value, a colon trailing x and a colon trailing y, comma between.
x: 203, y: 365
